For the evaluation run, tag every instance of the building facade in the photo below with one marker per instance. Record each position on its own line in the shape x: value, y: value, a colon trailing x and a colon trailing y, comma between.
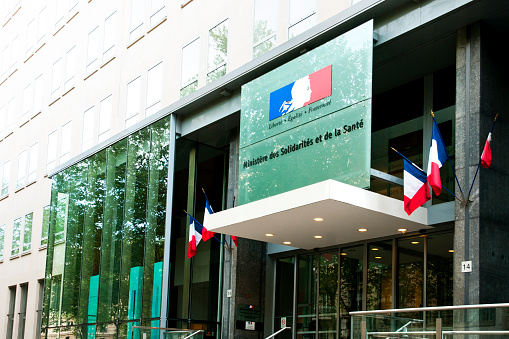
x: 116, y: 117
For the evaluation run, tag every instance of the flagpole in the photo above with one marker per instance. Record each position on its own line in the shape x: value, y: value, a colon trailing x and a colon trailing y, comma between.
x: 203, y: 190
x: 445, y: 188
x: 479, y: 164
x: 202, y: 226
x: 449, y: 158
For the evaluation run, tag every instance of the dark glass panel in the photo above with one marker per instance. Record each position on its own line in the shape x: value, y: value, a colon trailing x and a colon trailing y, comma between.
x: 284, y: 294
x: 410, y: 272
x: 306, y: 296
x: 351, y: 283
x: 379, y: 284
x: 328, y: 297
x: 439, y: 273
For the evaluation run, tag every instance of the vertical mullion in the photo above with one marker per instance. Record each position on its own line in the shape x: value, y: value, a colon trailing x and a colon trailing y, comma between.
x: 186, y: 311
x: 168, y: 226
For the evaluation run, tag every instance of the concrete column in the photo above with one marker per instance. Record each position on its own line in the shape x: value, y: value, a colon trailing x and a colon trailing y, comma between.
x: 481, y: 227
x: 244, y: 267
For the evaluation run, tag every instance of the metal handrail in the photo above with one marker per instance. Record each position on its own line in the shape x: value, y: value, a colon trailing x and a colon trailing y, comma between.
x: 276, y: 333
x: 174, y: 330
x: 429, y: 309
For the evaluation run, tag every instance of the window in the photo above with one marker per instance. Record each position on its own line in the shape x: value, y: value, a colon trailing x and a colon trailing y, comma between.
x: 93, y: 50
x: 157, y: 11
x: 133, y: 102
x: 154, y: 88
x: 88, y: 128
x: 65, y: 143
x: 6, y: 60
x: 45, y: 225
x: 2, y: 241
x: 22, y: 169
x: 60, y: 12
x: 57, y: 79
x: 70, y: 69
x: 16, y: 237
x: 265, y: 26
x: 137, y: 14
x: 22, y: 310
x: 32, y: 163
x: 51, y: 159
x: 110, y: 32
x: 6, y: 175
x: 15, y: 50
x: 42, y: 27
x: 31, y: 37
x: 3, y: 119
x: 38, y: 88
x: 302, y: 16
x: 27, y: 101
x: 190, y: 68
x: 27, y: 232
x: 218, y: 48
x: 105, y: 113
x: 10, y: 315
x: 11, y: 114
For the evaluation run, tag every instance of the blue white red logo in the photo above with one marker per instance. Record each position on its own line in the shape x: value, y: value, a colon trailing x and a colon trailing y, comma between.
x: 300, y: 93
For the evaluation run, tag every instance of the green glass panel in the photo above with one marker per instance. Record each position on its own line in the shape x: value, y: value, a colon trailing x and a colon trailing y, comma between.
x: 155, y: 213
x: 134, y: 305
x: 16, y: 235
x: 135, y: 216
x: 93, y: 296
x: 327, y: 139
x: 2, y: 241
x: 156, y: 297
x: 92, y: 228
x: 45, y: 225
x: 332, y: 147
x: 111, y: 244
x: 27, y: 232
x: 77, y: 178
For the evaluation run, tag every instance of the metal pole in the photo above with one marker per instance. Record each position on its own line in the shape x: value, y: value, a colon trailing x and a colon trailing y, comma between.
x: 364, y: 332
x: 439, y: 328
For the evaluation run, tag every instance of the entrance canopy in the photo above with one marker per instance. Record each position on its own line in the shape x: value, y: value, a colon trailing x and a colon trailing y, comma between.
x: 289, y: 218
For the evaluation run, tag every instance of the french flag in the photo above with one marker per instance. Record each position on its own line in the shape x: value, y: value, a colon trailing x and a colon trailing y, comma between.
x: 196, y: 231
x: 437, y: 157
x: 206, y: 235
x: 300, y: 93
x: 416, y: 189
x: 486, y: 153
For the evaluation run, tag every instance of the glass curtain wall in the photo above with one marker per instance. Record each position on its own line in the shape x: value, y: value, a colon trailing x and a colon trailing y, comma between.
x: 106, y: 240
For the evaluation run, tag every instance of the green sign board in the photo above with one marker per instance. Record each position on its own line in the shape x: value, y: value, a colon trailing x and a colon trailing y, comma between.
x: 309, y: 120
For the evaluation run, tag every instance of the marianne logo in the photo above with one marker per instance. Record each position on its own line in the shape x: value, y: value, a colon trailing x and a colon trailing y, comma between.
x: 300, y: 93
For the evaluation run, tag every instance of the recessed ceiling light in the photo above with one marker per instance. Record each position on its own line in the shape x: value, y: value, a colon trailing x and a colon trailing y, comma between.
x: 402, y: 230
x: 318, y: 219
x: 343, y: 253
x: 378, y: 257
x: 374, y: 249
x: 318, y: 237
x: 269, y: 234
x: 451, y: 251
x: 287, y: 242
x: 415, y: 242
x: 362, y: 229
